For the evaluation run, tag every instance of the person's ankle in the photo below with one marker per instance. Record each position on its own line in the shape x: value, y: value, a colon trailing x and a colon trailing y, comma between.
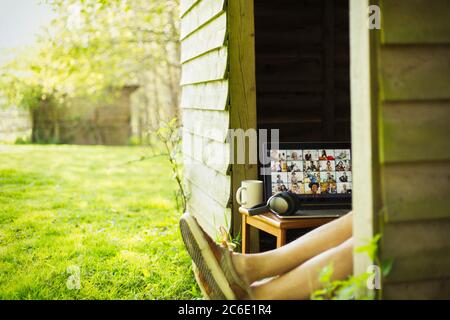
x: 243, y: 268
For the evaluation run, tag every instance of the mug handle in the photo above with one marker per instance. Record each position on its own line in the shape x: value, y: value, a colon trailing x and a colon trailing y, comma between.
x: 239, y: 196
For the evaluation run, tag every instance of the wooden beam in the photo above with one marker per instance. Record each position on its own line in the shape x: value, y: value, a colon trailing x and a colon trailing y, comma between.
x: 364, y: 109
x: 242, y: 82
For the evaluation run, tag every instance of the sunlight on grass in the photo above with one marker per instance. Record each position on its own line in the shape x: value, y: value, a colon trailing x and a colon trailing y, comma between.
x: 65, y: 206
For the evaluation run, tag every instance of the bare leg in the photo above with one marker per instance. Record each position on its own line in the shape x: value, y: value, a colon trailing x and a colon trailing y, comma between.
x: 300, y: 282
x: 252, y: 267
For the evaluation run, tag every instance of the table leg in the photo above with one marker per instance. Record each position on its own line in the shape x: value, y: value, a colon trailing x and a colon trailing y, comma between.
x: 245, y: 235
x: 281, y: 238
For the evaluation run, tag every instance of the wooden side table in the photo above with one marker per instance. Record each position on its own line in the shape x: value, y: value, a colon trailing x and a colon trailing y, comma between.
x: 274, y: 225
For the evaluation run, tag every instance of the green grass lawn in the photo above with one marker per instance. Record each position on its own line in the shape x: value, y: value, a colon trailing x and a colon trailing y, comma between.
x: 82, y: 210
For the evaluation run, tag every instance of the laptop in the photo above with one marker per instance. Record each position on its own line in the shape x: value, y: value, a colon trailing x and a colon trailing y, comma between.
x: 319, y: 174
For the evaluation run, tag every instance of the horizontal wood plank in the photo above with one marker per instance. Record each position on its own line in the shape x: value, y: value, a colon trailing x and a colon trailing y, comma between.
x: 431, y: 264
x: 213, y: 154
x: 416, y: 191
x: 418, y: 290
x: 415, y: 131
x: 415, y: 21
x: 203, y: 221
x: 420, y: 250
x: 205, y: 123
x: 415, y: 73
x: 208, y: 209
x: 185, y: 5
x: 210, y: 95
x: 208, y: 67
x: 198, y: 15
x: 212, y: 182
x: 210, y: 36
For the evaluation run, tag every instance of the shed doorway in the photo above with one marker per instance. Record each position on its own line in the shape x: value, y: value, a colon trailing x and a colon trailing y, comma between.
x: 302, y: 64
x: 302, y: 58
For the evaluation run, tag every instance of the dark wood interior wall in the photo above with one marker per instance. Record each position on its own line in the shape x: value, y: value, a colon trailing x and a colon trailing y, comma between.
x: 302, y: 69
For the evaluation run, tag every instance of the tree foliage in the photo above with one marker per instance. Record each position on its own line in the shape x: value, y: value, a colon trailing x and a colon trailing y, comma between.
x: 93, y: 45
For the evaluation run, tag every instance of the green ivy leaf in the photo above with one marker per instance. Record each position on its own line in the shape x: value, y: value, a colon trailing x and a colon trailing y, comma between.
x: 326, y: 273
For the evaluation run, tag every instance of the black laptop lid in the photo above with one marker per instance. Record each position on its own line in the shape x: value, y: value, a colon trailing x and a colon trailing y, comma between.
x: 320, y: 174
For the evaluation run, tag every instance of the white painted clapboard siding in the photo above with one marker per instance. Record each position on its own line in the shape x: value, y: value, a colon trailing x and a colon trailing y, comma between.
x: 199, y: 14
x: 209, y: 210
x: 185, y: 5
x: 204, y: 100
x: 210, y: 124
x: 212, y: 154
x: 209, y: 95
x: 208, y: 67
x: 210, y: 36
x: 214, y: 184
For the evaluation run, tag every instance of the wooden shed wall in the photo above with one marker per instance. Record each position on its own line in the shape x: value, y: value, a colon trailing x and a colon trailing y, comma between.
x: 205, y: 112
x: 413, y: 58
x: 218, y: 93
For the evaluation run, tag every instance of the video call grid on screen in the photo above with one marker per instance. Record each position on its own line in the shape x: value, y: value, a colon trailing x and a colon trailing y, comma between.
x: 324, y: 172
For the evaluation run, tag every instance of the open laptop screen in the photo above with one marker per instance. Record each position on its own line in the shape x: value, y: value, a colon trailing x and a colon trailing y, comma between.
x: 314, y: 171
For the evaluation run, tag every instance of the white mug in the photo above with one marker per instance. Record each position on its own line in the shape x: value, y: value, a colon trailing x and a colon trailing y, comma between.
x: 250, y: 193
